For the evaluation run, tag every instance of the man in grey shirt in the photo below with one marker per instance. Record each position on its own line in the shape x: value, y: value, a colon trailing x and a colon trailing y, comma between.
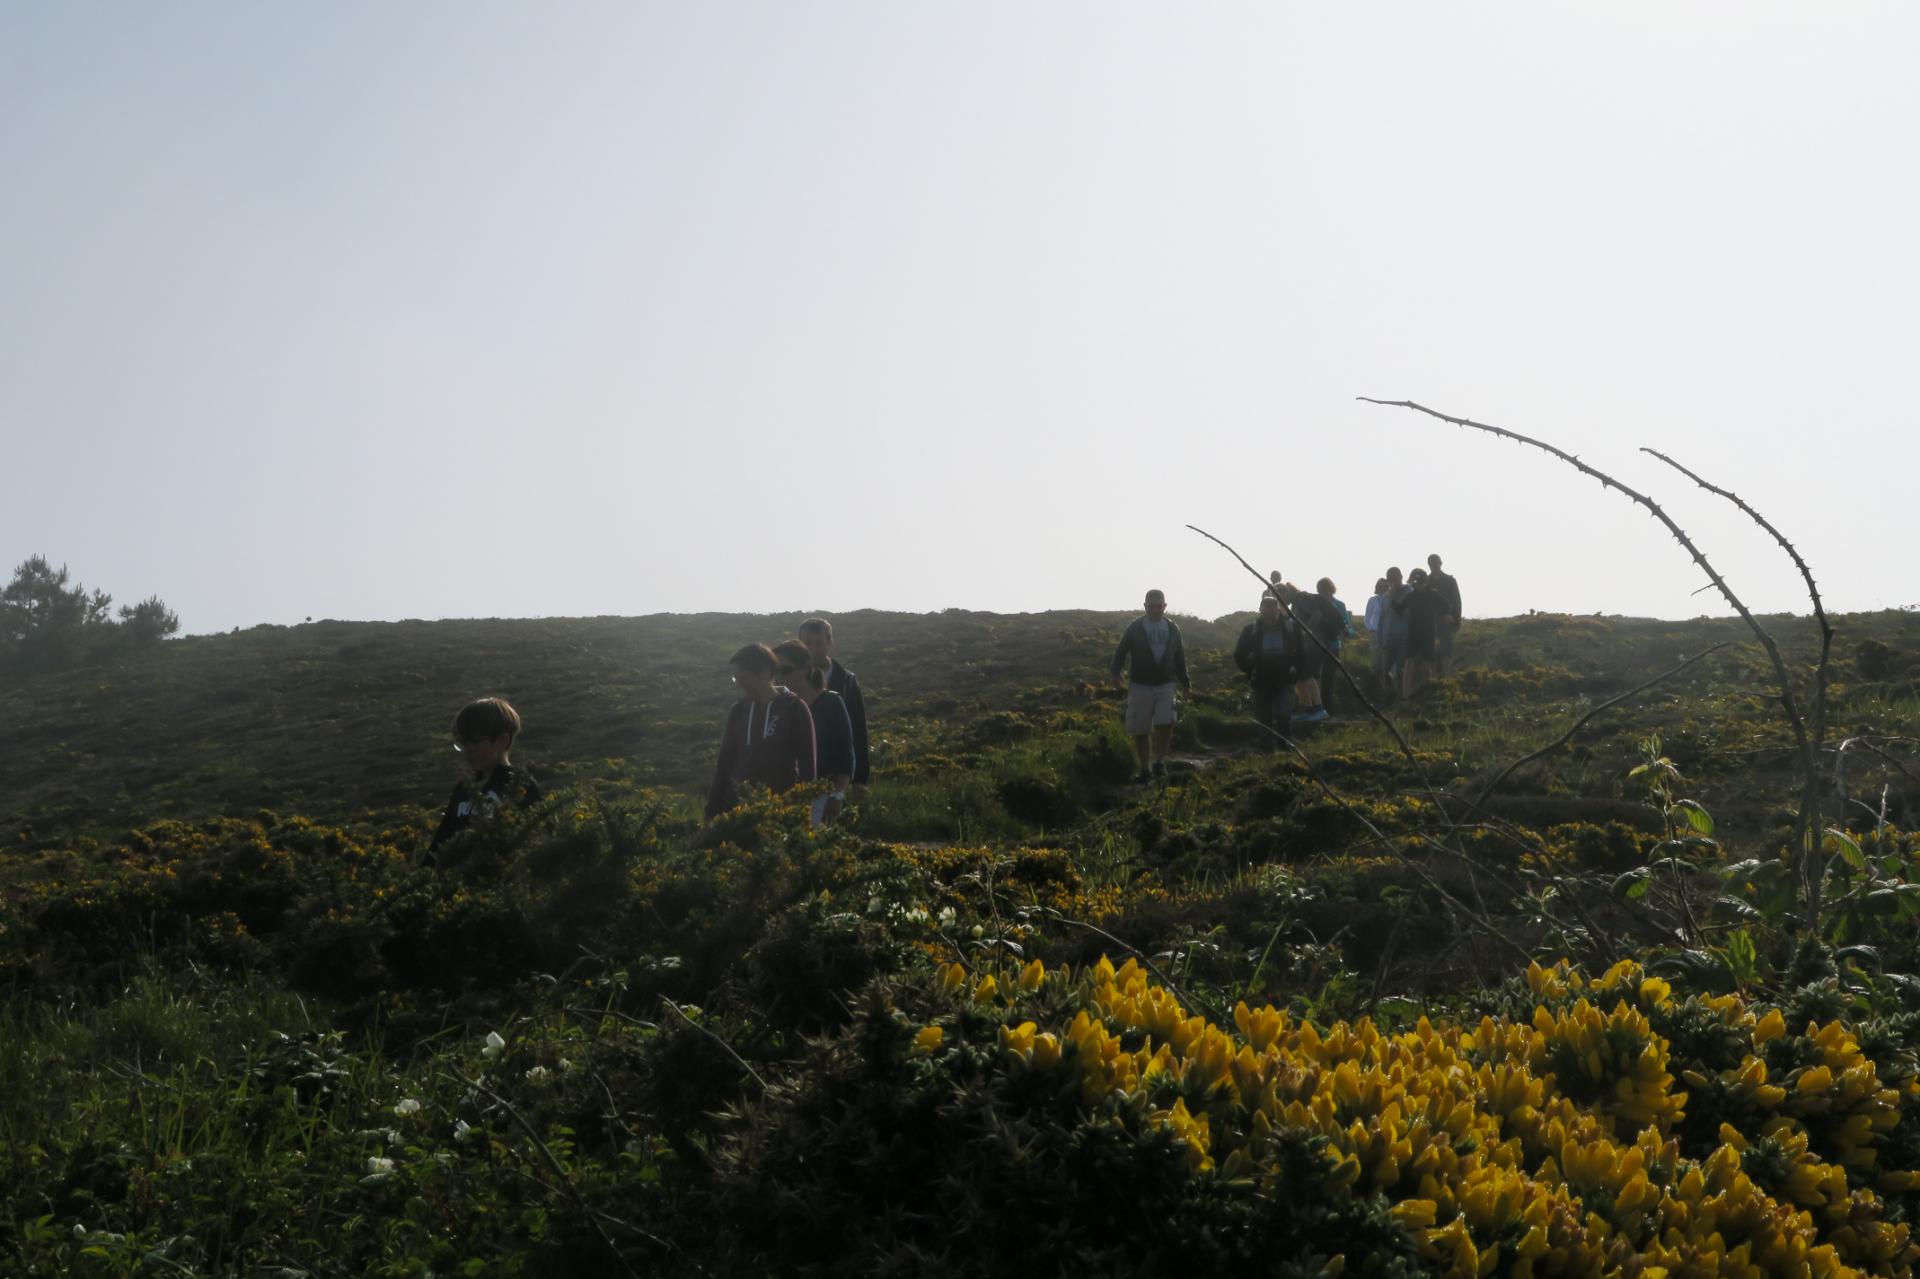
x: 1154, y: 661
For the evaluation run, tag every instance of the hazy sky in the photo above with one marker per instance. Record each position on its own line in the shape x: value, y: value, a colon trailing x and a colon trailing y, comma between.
x: 469, y: 309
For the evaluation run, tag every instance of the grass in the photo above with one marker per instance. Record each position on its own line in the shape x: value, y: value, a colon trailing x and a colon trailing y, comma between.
x: 200, y: 1092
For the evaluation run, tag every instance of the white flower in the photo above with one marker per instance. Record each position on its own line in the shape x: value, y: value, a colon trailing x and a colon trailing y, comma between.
x: 918, y: 915
x: 947, y: 917
x: 565, y: 1064
x: 494, y: 1044
x: 462, y: 1130
x: 407, y: 1107
x: 536, y: 1074
x: 377, y: 1165
x: 79, y: 1231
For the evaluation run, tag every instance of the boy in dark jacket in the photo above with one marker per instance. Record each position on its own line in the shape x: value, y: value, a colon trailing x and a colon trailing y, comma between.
x: 1269, y: 652
x: 1154, y: 659
x: 817, y: 634
x: 483, y: 733
x: 768, y: 739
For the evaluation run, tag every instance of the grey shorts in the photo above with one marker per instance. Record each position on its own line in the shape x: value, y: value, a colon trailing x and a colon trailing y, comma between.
x: 1149, y: 706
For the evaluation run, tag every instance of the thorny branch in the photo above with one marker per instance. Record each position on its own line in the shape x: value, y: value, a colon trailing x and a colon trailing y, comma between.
x: 1810, y: 792
x: 1807, y: 851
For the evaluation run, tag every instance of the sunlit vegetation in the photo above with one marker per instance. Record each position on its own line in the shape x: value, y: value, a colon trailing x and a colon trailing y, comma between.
x: 1311, y: 1016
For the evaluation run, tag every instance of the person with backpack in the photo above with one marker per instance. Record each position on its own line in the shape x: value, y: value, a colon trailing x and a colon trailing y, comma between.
x: 1269, y: 654
x: 1331, y: 623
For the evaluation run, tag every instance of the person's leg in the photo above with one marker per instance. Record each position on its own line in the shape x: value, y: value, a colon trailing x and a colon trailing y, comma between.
x: 1140, y: 727
x: 1165, y: 712
x: 1283, y: 710
x: 1263, y: 713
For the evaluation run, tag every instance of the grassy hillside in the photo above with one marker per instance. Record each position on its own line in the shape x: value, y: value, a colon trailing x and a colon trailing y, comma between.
x: 338, y: 719
x: 1312, y: 1015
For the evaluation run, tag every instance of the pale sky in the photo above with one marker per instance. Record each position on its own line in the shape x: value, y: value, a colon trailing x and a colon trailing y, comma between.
x: 473, y: 309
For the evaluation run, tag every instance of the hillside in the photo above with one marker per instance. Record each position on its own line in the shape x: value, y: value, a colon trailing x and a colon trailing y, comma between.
x: 342, y: 720
x: 1320, y: 1014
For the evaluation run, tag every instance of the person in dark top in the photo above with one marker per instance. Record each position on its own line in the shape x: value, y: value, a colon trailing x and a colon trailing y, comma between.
x: 832, y: 726
x: 817, y: 634
x: 1447, y: 587
x: 483, y: 733
x: 1155, y: 660
x: 768, y: 738
x: 1331, y: 623
x: 1423, y: 609
x: 1269, y: 653
x: 1394, y: 629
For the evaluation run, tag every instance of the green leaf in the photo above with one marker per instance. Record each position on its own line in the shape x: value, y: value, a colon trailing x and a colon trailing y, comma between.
x: 1697, y: 817
x: 1867, y: 955
x: 1633, y: 885
x: 1838, y: 841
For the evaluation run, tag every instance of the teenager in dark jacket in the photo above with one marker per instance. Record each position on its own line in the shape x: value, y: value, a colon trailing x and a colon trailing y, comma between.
x: 483, y: 733
x: 832, y: 727
x: 1155, y: 660
x: 817, y: 634
x: 768, y: 739
x: 1447, y: 587
x: 1269, y: 654
x: 1423, y: 607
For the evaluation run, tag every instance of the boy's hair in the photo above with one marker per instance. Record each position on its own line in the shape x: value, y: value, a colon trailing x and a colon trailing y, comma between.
x: 794, y: 653
x: 486, y: 719
x: 1380, y: 584
x: 1325, y: 586
x: 819, y: 626
x: 754, y: 657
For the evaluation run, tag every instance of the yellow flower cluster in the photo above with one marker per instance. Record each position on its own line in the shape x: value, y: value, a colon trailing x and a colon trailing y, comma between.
x: 1512, y: 1148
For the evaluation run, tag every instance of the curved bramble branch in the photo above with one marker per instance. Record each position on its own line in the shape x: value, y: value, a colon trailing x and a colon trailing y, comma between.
x: 1806, y: 573
x: 1806, y: 850
x: 1810, y: 797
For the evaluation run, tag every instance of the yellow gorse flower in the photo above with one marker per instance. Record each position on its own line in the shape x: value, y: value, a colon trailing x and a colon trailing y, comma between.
x: 1530, y: 1148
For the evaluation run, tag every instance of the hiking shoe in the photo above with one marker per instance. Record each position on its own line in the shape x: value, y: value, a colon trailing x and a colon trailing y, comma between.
x: 1160, y: 768
x: 1142, y: 777
x: 1315, y: 715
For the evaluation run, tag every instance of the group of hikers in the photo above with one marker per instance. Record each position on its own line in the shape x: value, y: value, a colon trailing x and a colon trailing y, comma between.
x: 1287, y: 653
x: 801, y: 717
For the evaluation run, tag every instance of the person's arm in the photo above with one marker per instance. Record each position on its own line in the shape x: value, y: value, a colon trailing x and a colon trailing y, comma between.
x: 856, y: 708
x: 833, y: 736
x: 806, y: 758
x: 1243, y: 649
x: 448, y: 824
x: 1120, y: 654
x: 721, y: 791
